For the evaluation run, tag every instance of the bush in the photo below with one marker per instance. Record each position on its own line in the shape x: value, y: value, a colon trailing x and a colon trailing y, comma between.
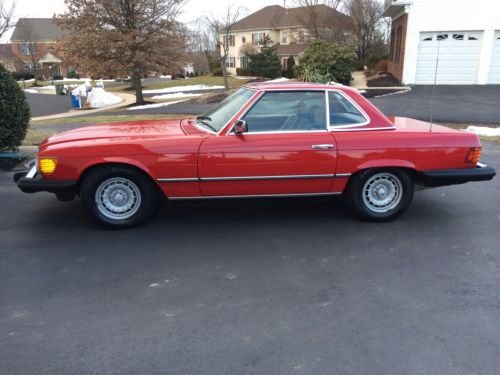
x: 217, y: 72
x: 325, y: 60
x: 15, y: 112
x: 243, y: 72
x: 22, y: 75
x: 57, y: 77
x: 266, y: 62
x: 73, y: 75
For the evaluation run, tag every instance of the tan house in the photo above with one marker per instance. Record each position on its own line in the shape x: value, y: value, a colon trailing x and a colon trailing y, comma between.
x: 288, y: 28
x: 35, y: 41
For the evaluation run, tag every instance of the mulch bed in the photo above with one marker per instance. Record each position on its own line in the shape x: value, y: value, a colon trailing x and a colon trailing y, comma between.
x: 386, y: 80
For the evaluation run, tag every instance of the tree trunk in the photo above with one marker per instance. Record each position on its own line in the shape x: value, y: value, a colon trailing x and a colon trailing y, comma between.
x: 224, y: 73
x: 139, y: 97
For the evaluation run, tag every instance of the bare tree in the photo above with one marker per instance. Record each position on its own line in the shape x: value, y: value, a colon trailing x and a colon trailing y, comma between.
x: 123, y: 37
x: 6, y: 17
x: 29, y: 48
x: 367, y: 23
x: 222, y: 29
x: 323, y: 19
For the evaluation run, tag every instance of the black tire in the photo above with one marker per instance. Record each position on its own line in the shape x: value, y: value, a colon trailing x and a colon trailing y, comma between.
x: 362, y: 195
x: 139, y: 190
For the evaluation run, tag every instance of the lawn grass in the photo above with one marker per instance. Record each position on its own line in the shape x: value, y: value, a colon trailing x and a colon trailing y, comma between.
x: 104, y: 119
x: 202, y: 80
x: 35, y: 137
x: 464, y: 126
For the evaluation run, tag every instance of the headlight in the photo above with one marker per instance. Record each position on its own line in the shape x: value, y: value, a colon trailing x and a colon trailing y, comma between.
x: 47, y: 165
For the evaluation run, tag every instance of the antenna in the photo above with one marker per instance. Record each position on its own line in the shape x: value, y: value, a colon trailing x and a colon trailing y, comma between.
x: 434, y: 86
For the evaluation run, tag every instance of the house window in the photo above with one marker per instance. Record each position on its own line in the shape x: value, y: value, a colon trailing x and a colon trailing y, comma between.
x: 28, y: 67
x: 442, y: 37
x: 258, y: 38
x: 229, y: 40
x: 244, y: 62
x: 230, y: 62
x: 473, y: 38
x: 399, y: 37
x: 428, y: 39
x: 458, y: 36
x: 27, y: 49
x: 284, y: 37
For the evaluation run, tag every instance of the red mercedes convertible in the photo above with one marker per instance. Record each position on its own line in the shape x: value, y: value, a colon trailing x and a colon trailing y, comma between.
x: 265, y: 140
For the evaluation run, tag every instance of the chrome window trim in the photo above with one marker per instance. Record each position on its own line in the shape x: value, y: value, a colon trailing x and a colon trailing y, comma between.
x: 250, y: 178
x: 257, y: 94
x: 263, y: 92
x: 355, y: 105
x: 257, y: 196
x: 363, y: 129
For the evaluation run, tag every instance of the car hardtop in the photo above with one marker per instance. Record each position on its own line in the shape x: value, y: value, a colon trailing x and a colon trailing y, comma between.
x: 288, y: 85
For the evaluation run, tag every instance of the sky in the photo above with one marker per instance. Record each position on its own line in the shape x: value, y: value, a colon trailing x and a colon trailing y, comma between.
x: 192, y: 9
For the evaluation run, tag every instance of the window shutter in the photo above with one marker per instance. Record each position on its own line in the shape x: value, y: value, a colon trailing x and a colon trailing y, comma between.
x: 253, y: 39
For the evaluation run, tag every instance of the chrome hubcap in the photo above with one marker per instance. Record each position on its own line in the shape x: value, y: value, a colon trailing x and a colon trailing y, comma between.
x: 118, y: 198
x: 382, y: 192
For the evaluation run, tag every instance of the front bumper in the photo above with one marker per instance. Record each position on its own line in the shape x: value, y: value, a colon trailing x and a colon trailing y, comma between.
x: 31, y: 182
x: 444, y: 177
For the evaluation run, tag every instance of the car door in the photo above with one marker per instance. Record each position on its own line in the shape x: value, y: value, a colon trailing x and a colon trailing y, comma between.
x: 286, y: 149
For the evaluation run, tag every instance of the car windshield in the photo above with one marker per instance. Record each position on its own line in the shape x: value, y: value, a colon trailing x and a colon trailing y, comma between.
x: 219, y: 115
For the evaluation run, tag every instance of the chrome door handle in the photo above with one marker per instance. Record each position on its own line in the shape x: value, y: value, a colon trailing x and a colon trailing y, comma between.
x: 322, y: 147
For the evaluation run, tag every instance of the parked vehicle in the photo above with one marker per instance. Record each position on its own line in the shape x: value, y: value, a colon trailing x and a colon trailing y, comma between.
x: 265, y: 140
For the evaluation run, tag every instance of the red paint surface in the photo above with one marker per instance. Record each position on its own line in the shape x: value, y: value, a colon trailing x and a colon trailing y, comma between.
x: 181, y: 149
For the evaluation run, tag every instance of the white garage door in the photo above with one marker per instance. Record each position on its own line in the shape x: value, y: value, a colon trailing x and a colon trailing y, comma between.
x: 494, y: 76
x: 458, y: 57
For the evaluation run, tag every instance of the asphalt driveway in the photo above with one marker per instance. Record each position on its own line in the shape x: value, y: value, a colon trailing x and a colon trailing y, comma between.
x: 461, y: 104
x: 253, y: 287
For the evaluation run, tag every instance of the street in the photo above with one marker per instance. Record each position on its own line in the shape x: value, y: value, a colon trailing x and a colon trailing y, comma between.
x: 253, y: 287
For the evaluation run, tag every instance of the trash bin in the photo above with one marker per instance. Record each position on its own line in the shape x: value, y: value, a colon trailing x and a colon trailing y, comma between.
x: 75, y: 101
x: 59, y: 89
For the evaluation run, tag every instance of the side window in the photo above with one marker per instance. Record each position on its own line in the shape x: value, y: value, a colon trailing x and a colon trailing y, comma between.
x: 343, y: 112
x: 288, y: 111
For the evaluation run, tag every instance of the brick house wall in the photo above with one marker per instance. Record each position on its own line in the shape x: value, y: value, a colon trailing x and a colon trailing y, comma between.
x: 397, y: 47
x: 42, y: 48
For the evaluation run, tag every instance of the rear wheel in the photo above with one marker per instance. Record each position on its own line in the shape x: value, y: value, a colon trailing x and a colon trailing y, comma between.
x: 118, y: 196
x: 379, y: 194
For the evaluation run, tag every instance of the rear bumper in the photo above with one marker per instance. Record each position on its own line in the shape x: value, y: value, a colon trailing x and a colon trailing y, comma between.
x: 444, y: 177
x: 32, y: 182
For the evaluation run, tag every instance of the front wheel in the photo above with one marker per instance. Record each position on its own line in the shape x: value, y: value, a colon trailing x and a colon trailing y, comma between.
x: 118, y: 196
x: 379, y: 194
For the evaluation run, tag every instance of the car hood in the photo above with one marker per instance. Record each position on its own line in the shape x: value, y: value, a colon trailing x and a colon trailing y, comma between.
x: 126, y: 131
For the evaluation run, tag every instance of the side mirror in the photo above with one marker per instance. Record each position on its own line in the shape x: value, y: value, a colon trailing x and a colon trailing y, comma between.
x: 240, y: 127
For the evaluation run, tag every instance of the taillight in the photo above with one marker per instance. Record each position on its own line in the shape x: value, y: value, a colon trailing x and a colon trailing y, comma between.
x: 473, y: 155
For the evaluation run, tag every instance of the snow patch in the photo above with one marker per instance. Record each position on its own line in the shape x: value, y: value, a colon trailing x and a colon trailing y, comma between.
x: 31, y: 91
x: 484, y: 131
x: 183, y: 88
x: 99, y: 98
x: 175, y: 95
x: 282, y: 79
x: 156, y: 105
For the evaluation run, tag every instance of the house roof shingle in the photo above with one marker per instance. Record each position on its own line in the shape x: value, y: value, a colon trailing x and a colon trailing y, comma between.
x: 42, y: 30
x: 276, y: 17
x: 291, y: 49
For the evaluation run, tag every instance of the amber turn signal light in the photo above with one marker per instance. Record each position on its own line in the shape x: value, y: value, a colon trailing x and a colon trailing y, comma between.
x: 473, y: 155
x: 47, y: 165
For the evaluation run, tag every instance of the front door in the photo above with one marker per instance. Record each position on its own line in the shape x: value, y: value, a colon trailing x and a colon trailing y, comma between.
x: 287, y: 150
